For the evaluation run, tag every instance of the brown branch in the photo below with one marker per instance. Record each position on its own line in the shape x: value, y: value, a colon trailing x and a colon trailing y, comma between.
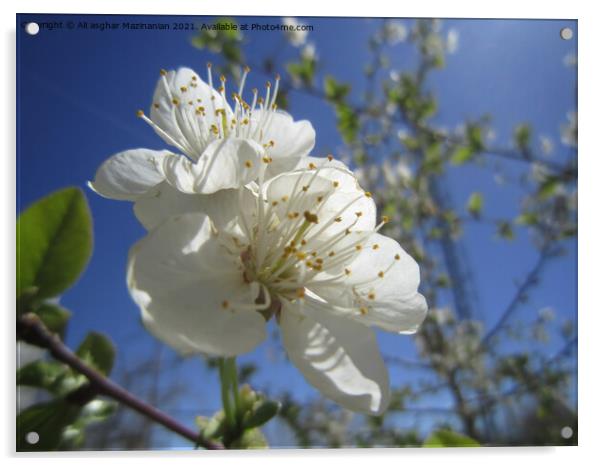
x: 31, y: 330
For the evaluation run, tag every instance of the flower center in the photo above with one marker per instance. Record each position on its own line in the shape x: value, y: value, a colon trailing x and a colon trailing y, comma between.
x: 190, y: 118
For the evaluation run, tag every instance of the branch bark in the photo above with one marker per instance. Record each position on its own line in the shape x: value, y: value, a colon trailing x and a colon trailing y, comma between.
x: 31, y: 330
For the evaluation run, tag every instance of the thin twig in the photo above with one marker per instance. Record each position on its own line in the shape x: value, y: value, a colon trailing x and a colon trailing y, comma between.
x: 32, y: 330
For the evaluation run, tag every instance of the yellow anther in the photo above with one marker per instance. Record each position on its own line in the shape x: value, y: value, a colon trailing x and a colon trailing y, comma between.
x: 359, y: 214
x: 358, y: 247
x: 209, y: 65
x: 375, y: 246
x: 222, y: 78
x: 175, y: 101
x: 371, y: 296
x: 266, y: 159
x: 139, y: 113
x: 274, y: 203
x: 386, y: 219
x: 330, y: 158
x: 311, y: 218
x: 183, y: 88
x: 397, y: 257
x: 194, y: 78
x: 319, y: 260
x: 368, y: 194
x: 305, y: 188
x: 309, y: 263
x: 284, y: 198
x: 363, y: 310
x: 347, y: 272
x: 301, y: 255
x: 335, y: 184
x: 303, y: 242
x: 247, y: 69
x: 312, y: 166
x: 338, y: 219
x: 156, y: 105
x: 225, y: 304
x: 163, y: 72
x: 320, y: 198
x: 381, y: 274
x: 248, y: 164
x: 331, y: 253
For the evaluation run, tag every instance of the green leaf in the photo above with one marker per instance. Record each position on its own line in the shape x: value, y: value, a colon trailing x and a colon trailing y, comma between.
x: 261, y: 413
x: 334, y: 91
x: 522, y: 136
x: 93, y: 412
x: 43, y: 374
x: 54, y: 242
x: 448, y: 438
x: 461, y: 155
x: 347, y: 122
x: 98, y: 351
x: 250, y: 439
x: 54, y: 317
x: 474, y: 135
x: 548, y: 188
x: 48, y: 420
x: 504, y: 230
x: 475, y: 204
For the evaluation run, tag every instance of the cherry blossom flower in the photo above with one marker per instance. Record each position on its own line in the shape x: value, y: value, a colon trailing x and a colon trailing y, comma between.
x: 303, y: 248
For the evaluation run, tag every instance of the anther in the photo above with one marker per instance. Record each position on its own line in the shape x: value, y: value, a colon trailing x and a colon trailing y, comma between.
x: 311, y: 218
x: 248, y: 164
x: 139, y: 113
x: 381, y: 274
x: 225, y: 304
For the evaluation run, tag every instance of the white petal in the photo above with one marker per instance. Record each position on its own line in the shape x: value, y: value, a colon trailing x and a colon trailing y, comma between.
x: 338, y: 356
x: 392, y: 301
x: 165, y: 201
x: 179, y: 126
x: 330, y: 194
x: 129, y: 174
x: 191, y: 290
x: 292, y: 140
x: 225, y: 164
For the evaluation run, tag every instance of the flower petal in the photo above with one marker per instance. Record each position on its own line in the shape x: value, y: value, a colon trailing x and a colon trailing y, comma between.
x: 165, y: 201
x: 225, y: 164
x: 338, y: 356
x: 331, y: 193
x: 191, y: 290
x: 381, y: 288
x: 130, y: 174
x: 292, y: 140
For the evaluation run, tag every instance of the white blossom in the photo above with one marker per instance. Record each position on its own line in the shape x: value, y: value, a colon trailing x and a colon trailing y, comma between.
x: 302, y: 247
x: 294, y: 35
x: 221, y: 146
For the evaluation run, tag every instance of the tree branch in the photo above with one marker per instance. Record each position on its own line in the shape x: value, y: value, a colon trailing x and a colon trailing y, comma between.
x: 31, y: 330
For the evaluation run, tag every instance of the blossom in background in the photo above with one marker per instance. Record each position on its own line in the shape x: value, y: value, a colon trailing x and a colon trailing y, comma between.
x: 221, y: 146
x: 395, y: 32
x: 452, y: 40
x: 294, y: 34
x: 303, y: 248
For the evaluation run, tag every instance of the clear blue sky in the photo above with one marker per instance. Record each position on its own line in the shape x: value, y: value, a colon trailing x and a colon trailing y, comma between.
x: 78, y: 91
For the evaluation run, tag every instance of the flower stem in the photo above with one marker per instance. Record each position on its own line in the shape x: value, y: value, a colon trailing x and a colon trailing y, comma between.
x: 225, y: 380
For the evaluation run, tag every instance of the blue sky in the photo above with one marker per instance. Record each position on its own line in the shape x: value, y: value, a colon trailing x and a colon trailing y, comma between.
x: 78, y: 91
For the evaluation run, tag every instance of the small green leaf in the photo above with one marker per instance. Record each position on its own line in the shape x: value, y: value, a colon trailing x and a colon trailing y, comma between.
x: 54, y: 242
x: 250, y: 439
x: 448, y: 438
x: 48, y: 421
x: 54, y: 317
x: 347, y: 122
x: 548, y: 188
x: 522, y: 136
x: 98, y: 351
x: 261, y: 413
x: 461, y: 155
x: 334, y: 91
x: 475, y: 204
x: 504, y: 230
x: 43, y: 374
x: 93, y: 412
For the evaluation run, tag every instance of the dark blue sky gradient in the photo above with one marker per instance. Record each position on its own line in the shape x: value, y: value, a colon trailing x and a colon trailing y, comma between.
x: 78, y: 92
